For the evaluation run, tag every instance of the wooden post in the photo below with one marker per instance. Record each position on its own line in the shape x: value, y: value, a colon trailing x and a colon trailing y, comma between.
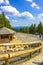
x: 9, y: 36
x: 40, y: 50
x: 30, y: 54
x: 6, y: 62
x: 0, y: 36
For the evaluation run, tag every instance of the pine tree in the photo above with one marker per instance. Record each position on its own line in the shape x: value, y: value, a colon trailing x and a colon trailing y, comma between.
x: 4, y: 22
x: 40, y: 28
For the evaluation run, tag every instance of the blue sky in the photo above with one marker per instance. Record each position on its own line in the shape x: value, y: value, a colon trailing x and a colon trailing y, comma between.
x: 22, y: 12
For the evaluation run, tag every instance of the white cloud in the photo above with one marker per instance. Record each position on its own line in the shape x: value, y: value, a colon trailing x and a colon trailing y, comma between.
x: 34, y: 5
x: 26, y: 14
x: 40, y: 16
x: 14, y: 20
x: 4, y: 2
x: 15, y: 12
x: 10, y: 9
x: 1, y: 1
x: 29, y: 0
x: 7, y: 17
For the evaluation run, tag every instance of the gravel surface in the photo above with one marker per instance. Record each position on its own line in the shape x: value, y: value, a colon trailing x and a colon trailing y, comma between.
x: 27, y: 37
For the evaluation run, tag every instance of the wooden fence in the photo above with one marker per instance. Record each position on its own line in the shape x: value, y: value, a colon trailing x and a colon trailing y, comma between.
x: 7, y: 56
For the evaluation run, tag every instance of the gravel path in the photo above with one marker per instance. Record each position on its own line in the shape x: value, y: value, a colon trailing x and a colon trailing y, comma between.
x: 27, y: 37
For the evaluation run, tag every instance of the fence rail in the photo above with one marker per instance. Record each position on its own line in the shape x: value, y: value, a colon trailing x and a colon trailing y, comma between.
x: 7, y: 56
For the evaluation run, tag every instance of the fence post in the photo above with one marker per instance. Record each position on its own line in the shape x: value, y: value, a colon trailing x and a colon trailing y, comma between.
x: 30, y: 54
x: 40, y: 50
x: 6, y: 62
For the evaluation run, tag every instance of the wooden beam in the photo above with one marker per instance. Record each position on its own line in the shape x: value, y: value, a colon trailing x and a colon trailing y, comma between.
x: 6, y: 61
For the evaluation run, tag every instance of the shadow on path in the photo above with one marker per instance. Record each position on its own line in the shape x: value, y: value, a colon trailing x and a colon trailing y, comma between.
x: 38, y: 63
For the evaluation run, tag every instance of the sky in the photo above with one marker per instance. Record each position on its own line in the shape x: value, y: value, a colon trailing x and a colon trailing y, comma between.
x: 22, y: 12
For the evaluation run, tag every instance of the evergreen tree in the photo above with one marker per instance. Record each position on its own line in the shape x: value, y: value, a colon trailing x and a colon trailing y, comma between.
x: 40, y: 28
x: 34, y: 28
x: 4, y: 22
x: 31, y: 29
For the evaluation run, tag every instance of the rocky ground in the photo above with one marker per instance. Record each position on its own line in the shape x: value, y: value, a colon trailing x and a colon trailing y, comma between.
x: 27, y: 37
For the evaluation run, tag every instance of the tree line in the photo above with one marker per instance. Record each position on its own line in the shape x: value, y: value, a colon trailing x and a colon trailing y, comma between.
x: 32, y: 29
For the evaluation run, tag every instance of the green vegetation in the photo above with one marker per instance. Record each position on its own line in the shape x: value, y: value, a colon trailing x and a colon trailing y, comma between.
x: 4, y: 22
x: 33, y: 29
x: 40, y: 28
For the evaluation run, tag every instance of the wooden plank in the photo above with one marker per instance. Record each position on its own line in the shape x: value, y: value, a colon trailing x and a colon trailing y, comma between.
x: 11, y: 44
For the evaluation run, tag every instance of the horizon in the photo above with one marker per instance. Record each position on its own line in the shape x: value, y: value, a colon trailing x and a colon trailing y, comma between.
x: 22, y: 12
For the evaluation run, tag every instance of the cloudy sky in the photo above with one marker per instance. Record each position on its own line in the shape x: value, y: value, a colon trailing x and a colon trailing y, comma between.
x: 22, y: 12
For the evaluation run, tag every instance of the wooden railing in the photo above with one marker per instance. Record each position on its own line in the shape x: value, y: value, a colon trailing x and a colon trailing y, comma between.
x: 7, y: 56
